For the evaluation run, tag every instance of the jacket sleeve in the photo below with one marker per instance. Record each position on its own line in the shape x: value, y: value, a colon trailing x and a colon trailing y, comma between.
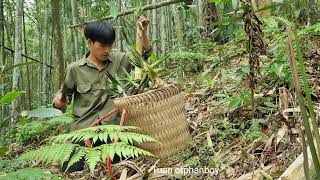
x: 68, y: 86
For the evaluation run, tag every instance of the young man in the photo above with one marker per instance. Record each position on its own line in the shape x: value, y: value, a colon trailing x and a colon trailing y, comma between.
x: 86, y: 79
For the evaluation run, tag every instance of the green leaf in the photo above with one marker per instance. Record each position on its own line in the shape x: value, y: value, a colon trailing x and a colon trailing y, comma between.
x: 3, y: 150
x: 10, y: 96
x: 80, y: 153
x: 235, y: 104
x: 92, y: 158
x: 45, y: 113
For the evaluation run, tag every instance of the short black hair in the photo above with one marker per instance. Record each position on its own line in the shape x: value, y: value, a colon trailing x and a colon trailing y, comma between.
x: 100, y: 31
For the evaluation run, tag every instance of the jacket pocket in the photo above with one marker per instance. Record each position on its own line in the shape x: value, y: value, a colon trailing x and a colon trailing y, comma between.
x: 83, y: 88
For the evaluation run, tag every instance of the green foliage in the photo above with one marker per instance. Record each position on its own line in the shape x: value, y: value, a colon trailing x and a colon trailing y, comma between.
x: 308, y: 111
x: 145, y: 77
x: 243, y: 99
x: 103, y: 132
x: 26, y: 131
x: 3, y: 150
x: 11, y: 96
x: 8, y: 165
x: 29, y: 174
x: 313, y: 30
x: 225, y: 129
x: 61, y: 152
x: 254, y: 131
x: 186, y: 61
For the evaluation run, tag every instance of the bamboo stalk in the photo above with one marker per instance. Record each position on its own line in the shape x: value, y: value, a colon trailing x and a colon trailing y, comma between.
x: 131, y: 11
x: 302, y: 106
x: 307, y: 92
x: 305, y: 157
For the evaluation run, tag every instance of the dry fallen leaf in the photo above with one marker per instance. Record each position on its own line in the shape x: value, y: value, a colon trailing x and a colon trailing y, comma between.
x: 209, y: 133
x: 281, y: 133
x: 269, y: 142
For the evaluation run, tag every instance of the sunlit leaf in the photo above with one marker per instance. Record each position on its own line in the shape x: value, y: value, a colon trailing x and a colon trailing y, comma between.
x: 45, y: 113
x: 10, y: 96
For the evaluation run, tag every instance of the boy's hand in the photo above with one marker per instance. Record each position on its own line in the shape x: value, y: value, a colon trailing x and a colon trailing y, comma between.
x: 59, y: 102
x: 143, y: 21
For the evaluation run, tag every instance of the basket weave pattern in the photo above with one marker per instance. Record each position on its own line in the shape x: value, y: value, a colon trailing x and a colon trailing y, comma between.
x: 160, y: 114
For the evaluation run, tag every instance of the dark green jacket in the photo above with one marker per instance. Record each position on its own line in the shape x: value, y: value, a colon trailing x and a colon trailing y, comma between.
x: 87, y: 85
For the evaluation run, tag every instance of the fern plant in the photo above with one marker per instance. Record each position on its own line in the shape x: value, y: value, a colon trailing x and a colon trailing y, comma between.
x: 60, y: 150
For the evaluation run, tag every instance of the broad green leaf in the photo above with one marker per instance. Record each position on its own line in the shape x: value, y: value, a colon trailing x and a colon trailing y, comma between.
x: 10, y: 96
x: 45, y: 113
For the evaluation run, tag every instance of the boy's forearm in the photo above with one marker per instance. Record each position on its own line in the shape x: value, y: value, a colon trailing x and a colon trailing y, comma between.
x: 142, y: 40
x: 145, y: 40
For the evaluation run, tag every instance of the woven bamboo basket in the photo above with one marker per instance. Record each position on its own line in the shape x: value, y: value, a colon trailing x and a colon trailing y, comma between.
x: 161, y: 114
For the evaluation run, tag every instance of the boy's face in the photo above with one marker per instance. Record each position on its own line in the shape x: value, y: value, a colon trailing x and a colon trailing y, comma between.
x: 99, y: 50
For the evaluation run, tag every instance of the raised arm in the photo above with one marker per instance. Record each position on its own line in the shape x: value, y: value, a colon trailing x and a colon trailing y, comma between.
x: 142, y: 39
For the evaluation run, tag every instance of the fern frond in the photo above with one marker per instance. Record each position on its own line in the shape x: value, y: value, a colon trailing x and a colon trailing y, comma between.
x: 65, y: 153
x: 61, y: 152
x: 7, y: 164
x: 284, y: 21
x: 121, y: 149
x: 103, y: 133
x: 79, y: 154
x: 106, y: 150
x: 110, y: 127
x: 130, y: 137
x: 92, y: 158
x: 49, y: 154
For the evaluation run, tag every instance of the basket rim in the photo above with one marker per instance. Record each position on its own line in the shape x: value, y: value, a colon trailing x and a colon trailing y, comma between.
x: 173, y: 86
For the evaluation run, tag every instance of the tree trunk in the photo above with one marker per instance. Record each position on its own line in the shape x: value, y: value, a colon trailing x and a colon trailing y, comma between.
x: 163, y: 29
x: 119, y: 35
x: 200, y: 11
x: 211, y: 16
x: 179, y: 26
x: 37, y: 77
x: 2, y: 62
x: 74, y: 30
x: 65, y: 26
x: 58, y: 46
x: 2, y: 53
x: 26, y: 60
x: 17, y: 58
x: 313, y: 11
x: 154, y: 27
x: 45, y: 53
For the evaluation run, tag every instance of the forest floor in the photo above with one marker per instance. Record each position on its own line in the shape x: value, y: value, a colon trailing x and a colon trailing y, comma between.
x: 227, y: 138
x: 224, y: 134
